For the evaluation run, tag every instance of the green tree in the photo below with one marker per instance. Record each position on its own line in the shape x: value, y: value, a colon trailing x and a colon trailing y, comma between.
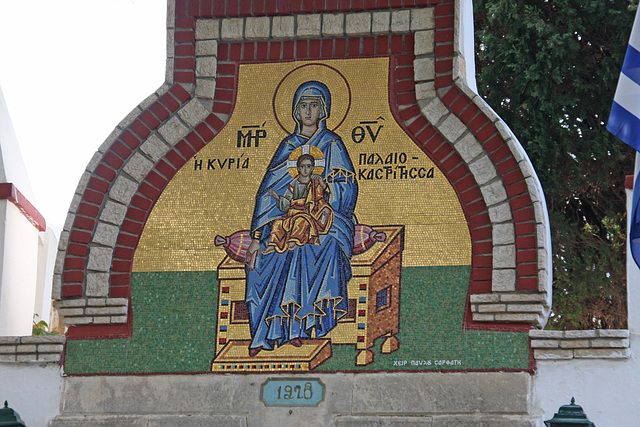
x: 550, y: 68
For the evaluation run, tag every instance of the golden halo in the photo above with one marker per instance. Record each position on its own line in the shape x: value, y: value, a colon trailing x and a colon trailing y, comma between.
x: 332, y: 78
x: 306, y: 149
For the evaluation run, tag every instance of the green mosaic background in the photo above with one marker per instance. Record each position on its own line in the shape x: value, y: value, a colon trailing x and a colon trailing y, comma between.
x: 174, y: 326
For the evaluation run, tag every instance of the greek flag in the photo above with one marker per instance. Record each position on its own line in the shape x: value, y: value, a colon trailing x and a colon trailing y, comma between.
x: 624, y: 122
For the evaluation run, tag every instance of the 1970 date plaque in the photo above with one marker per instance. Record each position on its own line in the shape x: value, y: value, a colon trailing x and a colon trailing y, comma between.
x: 292, y: 392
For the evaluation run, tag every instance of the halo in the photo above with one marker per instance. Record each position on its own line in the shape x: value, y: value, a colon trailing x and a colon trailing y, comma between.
x: 306, y: 149
x: 335, y: 81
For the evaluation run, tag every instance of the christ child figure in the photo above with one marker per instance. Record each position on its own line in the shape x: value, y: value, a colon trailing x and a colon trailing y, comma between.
x: 307, y: 214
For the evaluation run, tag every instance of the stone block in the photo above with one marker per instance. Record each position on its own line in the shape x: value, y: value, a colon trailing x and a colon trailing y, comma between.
x: 26, y: 348
x: 96, y: 302
x: 123, y: 190
x: 206, y: 66
x: 452, y: 128
x: 71, y: 311
x: 424, y: 69
x: 424, y: 42
x: 71, y: 321
x: 484, y: 298
x: 102, y: 320
x: 491, y: 308
x: 50, y: 348
x: 580, y: 334
x: 468, y: 147
x: 477, y: 317
x: 118, y: 319
x: 207, y: 29
x: 422, y: 19
x: 494, y: 193
x: 518, y: 317
x: 602, y: 353
x: 43, y: 339
x: 154, y: 147
x: 26, y: 358
x: 113, y: 212
x: 205, y: 88
x: 257, y: 28
x: 283, y: 26
x: 523, y: 298
x: 525, y: 308
x: 106, y: 234
x: 382, y: 421
x: 613, y: 333
x: 117, y: 301
x: 7, y: 357
x: 503, y: 280
x: 380, y: 21
x: 332, y: 24
x: 193, y: 113
x: 98, y: 283
x: 483, y: 170
x: 609, y: 343
x: 400, y: 21
x: 106, y: 311
x: 67, y: 303
x: 8, y: 349
x: 546, y: 354
x: 504, y: 234
x: 500, y: 213
x: 434, y: 110
x: 231, y: 28
x: 48, y: 357
x: 99, y: 260
x: 425, y: 90
x: 358, y: 23
x: 542, y: 334
x: 545, y: 343
x: 173, y: 130
x: 206, y: 48
x: 574, y: 343
x: 309, y: 25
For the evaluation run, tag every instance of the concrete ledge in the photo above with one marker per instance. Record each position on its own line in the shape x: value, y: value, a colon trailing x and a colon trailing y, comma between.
x: 588, y: 344
x: 32, y: 349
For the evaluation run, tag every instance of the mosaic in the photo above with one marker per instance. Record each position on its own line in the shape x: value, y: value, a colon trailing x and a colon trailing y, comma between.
x: 311, y: 234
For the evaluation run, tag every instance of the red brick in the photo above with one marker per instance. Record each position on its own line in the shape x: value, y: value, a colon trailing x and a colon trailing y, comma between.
x: 84, y: 223
x: 149, y: 119
x: 520, y: 202
x: 482, y: 261
x: 224, y: 95
x: 119, y: 280
x: 524, y: 228
x: 315, y: 48
x: 486, y: 132
x: 513, y: 177
x: 517, y: 189
x: 475, y: 207
x: 459, y: 174
x: 409, y: 112
x: 469, y: 114
x: 88, y: 210
x: 105, y: 172
x: 218, y: 9
x: 507, y: 166
x: 443, y: 36
x: 123, y: 253
x: 327, y: 48
x: 527, y: 256
x: 406, y: 98
x: 405, y: 86
x: 284, y: 8
x: 444, y: 9
x: 156, y: 180
x: 195, y: 141
x: 160, y: 111
x: 169, y: 102
x: 408, y: 3
x: 340, y: 48
x: 245, y: 7
x: 184, y: 76
x: 136, y: 214
x: 112, y: 160
x: 121, y: 266
x: 120, y: 291
x: 74, y: 276
x: 357, y: 5
x: 127, y: 240
x: 354, y: 46
x: 121, y: 150
x: 417, y: 124
x: 185, y: 50
x: 444, y: 22
x: 481, y: 273
x: 184, y: 36
x: 175, y: 159
x: 468, y: 181
x: 141, y: 202
x: 205, y: 132
x: 345, y: 5
x: 433, y: 144
x: 194, y: 8
x: 444, y: 65
x: 74, y: 263
x: 132, y: 227
x: 527, y: 283
x: 368, y: 45
x: 382, y: 45
x: 527, y: 269
x: 223, y: 52
x: 249, y: 51
x: 181, y: 7
x: 370, y: 4
x: 478, y: 122
x: 460, y: 104
x: 481, y: 233
x: 302, y: 50
x: 98, y: 184
x: 235, y: 51
x: 443, y: 81
x: 526, y: 242
x: 480, y: 286
x: 477, y: 221
x: 70, y: 291
x: 80, y: 236
x: 77, y: 249
x: 404, y: 60
x: 451, y: 162
x: 442, y: 151
x: 397, y: 44
x: 443, y: 51
x: 289, y: 49
x: 451, y: 95
x: 206, y: 9
x: 165, y: 169
x: 426, y: 134
x: 332, y: 6
x: 404, y: 73
x: 222, y: 107
x: 502, y: 153
x: 215, y: 122
x: 232, y: 8
x: 523, y: 215
x: 270, y: 7
x: 383, y: 4
x: 93, y: 196
x: 185, y: 63
x: 482, y: 248
x: 149, y: 191
x: 275, y: 50
x: 319, y: 5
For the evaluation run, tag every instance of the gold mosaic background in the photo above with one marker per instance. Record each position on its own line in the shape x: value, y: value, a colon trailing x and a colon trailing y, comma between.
x: 199, y: 204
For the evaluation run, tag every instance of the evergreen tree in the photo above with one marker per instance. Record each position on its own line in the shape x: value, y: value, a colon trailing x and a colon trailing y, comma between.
x: 550, y: 69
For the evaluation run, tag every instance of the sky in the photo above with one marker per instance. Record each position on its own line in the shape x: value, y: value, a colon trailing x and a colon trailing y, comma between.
x: 70, y: 71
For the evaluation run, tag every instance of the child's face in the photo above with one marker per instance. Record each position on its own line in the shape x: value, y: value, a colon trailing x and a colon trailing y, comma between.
x: 305, y: 168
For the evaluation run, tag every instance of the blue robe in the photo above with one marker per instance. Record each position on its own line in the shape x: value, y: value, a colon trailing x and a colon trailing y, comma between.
x: 291, y: 294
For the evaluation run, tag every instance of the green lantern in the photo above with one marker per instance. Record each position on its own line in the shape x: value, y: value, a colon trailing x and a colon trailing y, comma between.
x: 9, y: 417
x: 570, y: 415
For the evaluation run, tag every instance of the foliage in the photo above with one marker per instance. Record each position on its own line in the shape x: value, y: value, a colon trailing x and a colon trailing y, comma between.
x: 550, y: 68
x: 41, y: 327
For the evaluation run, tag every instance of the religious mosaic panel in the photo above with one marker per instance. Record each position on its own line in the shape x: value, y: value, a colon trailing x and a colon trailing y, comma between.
x: 310, y: 235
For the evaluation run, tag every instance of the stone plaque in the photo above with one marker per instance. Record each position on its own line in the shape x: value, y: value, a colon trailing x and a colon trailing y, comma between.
x: 292, y: 392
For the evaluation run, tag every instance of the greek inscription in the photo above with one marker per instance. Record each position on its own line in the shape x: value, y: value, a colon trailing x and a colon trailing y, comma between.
x: 367, y: 128
x: 221, y: 164
x: 250, y: 135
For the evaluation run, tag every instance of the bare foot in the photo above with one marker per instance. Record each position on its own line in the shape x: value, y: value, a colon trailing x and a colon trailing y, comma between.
x: 292, y: 246
x: 253, y: 352
x: 296, y: 342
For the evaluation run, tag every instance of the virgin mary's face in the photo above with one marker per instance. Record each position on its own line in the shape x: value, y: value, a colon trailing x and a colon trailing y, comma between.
x: 309, y: 111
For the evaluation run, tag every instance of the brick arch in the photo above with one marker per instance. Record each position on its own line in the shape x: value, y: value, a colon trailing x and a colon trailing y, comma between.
x: 109, y: 176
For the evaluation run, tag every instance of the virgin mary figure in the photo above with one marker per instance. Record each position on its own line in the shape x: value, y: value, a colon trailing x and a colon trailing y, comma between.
x: 302, y: 293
